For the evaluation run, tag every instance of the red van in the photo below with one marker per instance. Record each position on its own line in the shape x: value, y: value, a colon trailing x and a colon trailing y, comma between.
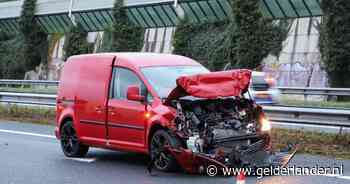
x: 167, y: 106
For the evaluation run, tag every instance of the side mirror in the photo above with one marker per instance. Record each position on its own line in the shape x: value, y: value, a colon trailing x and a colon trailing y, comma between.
x: 133, y: 93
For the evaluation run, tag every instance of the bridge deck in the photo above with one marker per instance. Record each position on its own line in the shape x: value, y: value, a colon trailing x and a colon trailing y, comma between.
x: 94, y: 15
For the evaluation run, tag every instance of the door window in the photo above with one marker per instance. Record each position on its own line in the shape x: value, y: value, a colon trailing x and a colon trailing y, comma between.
x: 123, y: 78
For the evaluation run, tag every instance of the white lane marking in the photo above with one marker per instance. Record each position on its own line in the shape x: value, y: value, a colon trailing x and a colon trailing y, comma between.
x: 87, y: 160
x: 27, y: 133
x: 344, y: 177
x: 337, y: 176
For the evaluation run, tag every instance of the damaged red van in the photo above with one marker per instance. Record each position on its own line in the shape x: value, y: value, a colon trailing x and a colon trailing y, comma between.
x: 167, y: 106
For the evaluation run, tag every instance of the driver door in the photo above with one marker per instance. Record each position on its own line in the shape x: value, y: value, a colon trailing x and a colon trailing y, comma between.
x: 126, y: 120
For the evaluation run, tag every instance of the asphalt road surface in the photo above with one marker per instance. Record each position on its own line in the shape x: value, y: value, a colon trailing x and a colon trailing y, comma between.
x: 29, y: 154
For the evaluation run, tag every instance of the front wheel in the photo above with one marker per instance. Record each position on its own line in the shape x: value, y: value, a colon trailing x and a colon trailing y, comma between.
x: 162, y: 159
x: 70, y: 144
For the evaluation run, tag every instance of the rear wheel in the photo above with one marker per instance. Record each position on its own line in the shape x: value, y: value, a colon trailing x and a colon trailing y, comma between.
x: 163, y: 160
x: 70, y: 144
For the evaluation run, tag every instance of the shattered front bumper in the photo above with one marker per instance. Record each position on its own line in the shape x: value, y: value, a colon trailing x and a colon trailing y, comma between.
x: 256, y: 155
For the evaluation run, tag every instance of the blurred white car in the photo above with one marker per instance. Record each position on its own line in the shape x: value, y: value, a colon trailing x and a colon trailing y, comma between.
x: 263, y: 89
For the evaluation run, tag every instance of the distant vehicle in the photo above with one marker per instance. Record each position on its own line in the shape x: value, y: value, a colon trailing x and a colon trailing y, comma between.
x: 167, y: 106
x: 262, y: 89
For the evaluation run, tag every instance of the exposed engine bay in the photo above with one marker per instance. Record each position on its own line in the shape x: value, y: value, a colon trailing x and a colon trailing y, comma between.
x: 227, y: 129
x: 215, y: 125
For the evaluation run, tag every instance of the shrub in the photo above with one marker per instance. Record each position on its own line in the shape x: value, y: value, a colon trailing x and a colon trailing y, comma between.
x: 243, y: 41
x: 76, y: 42
x: 334, y: 42
x: 123, y: 36
x: 35, y: 44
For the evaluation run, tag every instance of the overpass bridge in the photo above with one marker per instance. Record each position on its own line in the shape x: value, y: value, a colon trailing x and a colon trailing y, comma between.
x: 96, y: 15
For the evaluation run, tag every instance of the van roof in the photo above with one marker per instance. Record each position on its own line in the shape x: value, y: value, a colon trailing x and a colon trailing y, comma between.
x: 140, y: 59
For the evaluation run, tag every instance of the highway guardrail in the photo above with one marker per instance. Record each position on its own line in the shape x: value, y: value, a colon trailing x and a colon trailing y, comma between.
x: 315, y: 91
x: 283, y: 90
x: 298, y: 115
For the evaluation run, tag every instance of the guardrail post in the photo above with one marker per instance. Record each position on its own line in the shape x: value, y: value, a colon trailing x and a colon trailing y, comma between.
x: 328, y: 97
x: 8, y: 107
x: 339, y: 133
x: 305, y: 95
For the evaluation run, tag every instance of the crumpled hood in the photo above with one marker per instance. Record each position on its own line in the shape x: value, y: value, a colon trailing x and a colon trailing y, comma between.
x: 212, y: 85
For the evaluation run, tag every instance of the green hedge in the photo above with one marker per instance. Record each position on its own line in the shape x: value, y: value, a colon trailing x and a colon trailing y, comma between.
x: 243, y: 41
x: 335, y: 42
x: 11, y: 57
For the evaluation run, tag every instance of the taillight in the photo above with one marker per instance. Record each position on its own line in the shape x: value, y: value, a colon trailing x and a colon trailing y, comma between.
x: 270, y: 80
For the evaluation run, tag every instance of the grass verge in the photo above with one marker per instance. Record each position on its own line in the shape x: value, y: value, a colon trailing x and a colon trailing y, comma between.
x: 42, y: 90
x: 315, y: 143
x: 39, y: 115
x: 295, y: 101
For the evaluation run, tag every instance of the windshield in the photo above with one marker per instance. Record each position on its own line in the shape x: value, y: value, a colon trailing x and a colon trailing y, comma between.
x: 163, y: 78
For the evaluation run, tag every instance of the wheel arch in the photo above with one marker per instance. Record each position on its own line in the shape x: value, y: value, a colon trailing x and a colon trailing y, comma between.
x: 68, y: 116
x: 154, y: 127
x: 65, y: 120
x: 67, y: 113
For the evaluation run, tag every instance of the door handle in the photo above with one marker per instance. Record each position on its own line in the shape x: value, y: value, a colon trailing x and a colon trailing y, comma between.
x: 98, y: 109
x: 111, y: 110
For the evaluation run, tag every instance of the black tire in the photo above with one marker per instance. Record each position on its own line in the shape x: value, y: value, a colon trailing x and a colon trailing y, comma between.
x: 163, y: 161
x: 70, y: 144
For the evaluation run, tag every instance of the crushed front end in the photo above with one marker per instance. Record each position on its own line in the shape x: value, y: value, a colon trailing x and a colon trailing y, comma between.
x: 221, y: 128
x: 228, y: 132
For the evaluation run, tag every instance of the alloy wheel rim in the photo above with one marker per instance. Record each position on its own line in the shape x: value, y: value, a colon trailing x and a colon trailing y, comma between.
x: 158, y: 150
x: 68, y: 139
